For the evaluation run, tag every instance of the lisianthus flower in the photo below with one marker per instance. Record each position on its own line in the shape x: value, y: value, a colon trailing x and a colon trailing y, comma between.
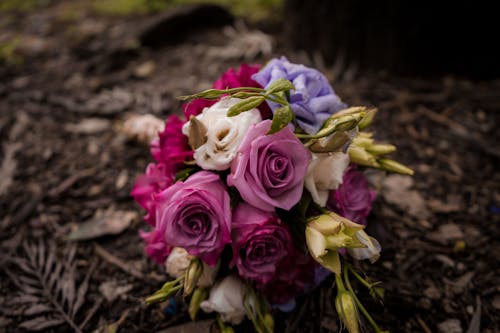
x: 324, y: 174
x: 226, y: 298
x: 269, y: 170
x: 196, y: 215
x: 353, y: 199
x: 260, y: 243
x: 223, y: 134
x: 313, y: 99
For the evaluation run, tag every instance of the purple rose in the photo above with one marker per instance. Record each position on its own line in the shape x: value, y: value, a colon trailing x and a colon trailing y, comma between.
x: 196, y: 215
x: 353, y: 198
x: 269, y: 170
x: 313, y: 99
x: 260, y: 243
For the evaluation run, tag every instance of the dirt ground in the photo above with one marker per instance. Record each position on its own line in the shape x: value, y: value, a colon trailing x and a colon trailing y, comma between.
x: 66, y: 168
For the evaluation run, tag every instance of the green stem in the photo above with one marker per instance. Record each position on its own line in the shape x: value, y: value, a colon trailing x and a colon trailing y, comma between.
x: 360, y: 279
x: 360, y: 306
x: 275, y: 99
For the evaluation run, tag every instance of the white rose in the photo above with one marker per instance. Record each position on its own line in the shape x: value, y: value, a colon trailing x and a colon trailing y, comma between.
x: 177, y: 262
x: 324, y: 174
x: 224, y: 134
x: 226, y: 298
x: 371, y: 251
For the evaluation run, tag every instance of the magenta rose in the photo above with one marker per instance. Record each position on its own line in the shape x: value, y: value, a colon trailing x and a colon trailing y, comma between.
x: 353, y: 199
x: 156, y: 247
x: 196, y: 215
x: 172, y: 148
x: 269, y: 170
x: 229, y: 79
x: 260, y: 243
x: 157, y: 178
x: 294, y: 276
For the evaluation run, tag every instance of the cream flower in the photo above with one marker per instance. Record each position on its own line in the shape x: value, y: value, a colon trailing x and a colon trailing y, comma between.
x: 221, y: 135
x: 177, y: 262
x: 324, y: 174
x: 226, y: 298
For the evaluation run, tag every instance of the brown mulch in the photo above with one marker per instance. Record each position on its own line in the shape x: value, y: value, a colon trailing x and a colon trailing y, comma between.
x: 439, y: 230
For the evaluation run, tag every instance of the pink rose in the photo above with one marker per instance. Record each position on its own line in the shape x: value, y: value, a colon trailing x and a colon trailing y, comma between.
x: 157, y: 178
x: 260, y: 243
x: 156, y: 247
x: 269, y: 170
x: 353, y: 199
x: 196, y: 215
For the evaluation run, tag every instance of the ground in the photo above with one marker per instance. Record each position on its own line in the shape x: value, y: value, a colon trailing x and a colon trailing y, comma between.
x: 68, y: 79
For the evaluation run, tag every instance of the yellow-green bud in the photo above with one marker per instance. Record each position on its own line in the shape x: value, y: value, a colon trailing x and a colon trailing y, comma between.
x: 192, y: 276
x: 347, y: 310
x: 199, y: 295
x: 394, y: 166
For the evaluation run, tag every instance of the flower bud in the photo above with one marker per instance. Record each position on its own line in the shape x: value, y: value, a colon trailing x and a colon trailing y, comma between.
x: 371, y: 250
x: 192, y: 276
x: 347, y: 310
x: 245, y: 105
x: 394, y: 166
x: 199, y: 295
x: 326, y: 234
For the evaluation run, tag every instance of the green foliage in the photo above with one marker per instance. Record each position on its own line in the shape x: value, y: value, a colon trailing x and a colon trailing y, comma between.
x: 21, y: 5
x: 251, y: 9
x: 8, y: 52
x: 129, y: 7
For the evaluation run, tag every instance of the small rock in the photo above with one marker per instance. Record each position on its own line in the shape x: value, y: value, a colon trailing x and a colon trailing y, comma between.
x: 145, y: 69
x: 143, y: 128
x: 432, y: 292
x: 89, y: 126
x: 450, y: 326
x: 109, y: 222
x: 397, y: 191
x: 111, y: 290
x: 446, y: 232
x: 447, y: 261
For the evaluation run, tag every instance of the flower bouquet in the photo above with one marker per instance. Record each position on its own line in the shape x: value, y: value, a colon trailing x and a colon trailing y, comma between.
x: 258, y: 194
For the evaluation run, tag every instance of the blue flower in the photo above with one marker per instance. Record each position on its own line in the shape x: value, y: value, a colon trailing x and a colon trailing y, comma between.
x: 313, y: 99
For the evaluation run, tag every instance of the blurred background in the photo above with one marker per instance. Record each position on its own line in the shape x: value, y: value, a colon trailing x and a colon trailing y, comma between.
x: 72, y: 72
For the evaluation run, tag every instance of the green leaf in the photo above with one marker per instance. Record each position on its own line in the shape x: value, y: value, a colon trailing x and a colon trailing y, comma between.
x: 185, y: 173
x: 279, y: 85
x: 282, y: 117
x: 245, y: 105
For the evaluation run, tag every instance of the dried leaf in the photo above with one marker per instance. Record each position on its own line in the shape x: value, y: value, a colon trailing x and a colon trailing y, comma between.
x: 8, y: 166
x: 111, y: 290
x: 48, y: 287
x: 41, y: 323
x: 37, y: 309
x: 110, y: 223
x: 397, y: 190
x: 89, y: 126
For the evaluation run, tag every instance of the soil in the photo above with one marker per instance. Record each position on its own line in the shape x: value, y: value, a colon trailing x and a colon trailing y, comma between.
x: 439, y: 230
